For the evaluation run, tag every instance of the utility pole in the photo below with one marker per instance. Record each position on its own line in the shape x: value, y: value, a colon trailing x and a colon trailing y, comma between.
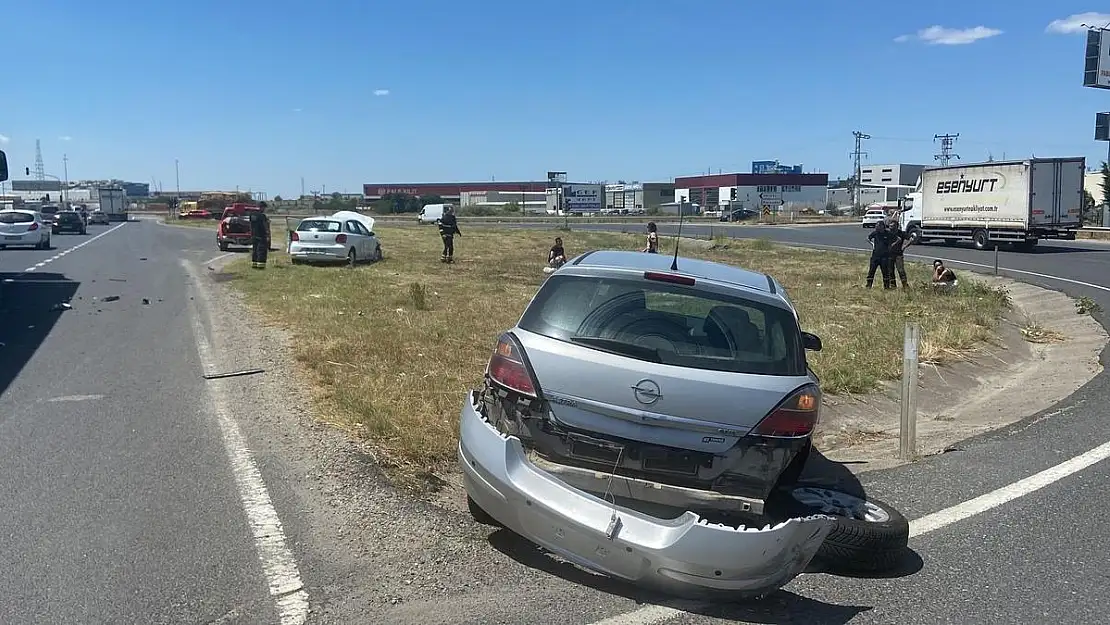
x: 302, y: 186
x: 857, y: 164
x: 177, y: 177
x: 946, y: 143
x: 65, y: 172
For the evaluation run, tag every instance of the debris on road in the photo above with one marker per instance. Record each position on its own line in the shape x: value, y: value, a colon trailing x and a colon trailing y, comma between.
x: 146, y: 302
x: 117, y: 279
x: 62, y: 306
x: 111, y: 298
x: 233, y: 374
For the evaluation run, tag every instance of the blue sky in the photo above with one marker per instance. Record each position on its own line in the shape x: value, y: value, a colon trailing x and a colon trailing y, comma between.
x: 344, y: 92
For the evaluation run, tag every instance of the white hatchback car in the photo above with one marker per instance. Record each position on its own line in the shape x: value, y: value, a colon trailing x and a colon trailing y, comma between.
x: 23, y: 228
x: 330, y: 239
x: 873, y: 216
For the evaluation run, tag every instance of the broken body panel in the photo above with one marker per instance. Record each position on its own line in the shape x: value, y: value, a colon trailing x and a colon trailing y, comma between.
x: 686, y: 555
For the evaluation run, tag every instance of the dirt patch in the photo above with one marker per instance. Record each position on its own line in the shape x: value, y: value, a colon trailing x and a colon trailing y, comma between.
x: 1045, y: 352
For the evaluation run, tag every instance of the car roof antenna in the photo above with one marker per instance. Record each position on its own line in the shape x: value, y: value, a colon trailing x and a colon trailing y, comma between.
x: 678, y: 239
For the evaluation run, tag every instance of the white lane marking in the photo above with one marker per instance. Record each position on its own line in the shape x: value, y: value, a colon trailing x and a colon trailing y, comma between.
x: 75, y: 398
x: 1010, y: 492
x: 278, y: 564
x: 73, y: 249
x: 220, y: 257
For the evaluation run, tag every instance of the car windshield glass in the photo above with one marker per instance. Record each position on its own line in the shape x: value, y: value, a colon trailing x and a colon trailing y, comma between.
x: 318, y: 225
x: 16, y: 218
x: 669, y: 324
x: 69, y: 216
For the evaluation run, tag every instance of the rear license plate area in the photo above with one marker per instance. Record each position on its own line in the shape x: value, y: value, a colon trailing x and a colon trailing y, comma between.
x: 594, y: 450
x: 12, y: 237
x: 669, y: 461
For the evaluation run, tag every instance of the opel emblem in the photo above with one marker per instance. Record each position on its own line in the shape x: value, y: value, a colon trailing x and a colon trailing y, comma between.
x: 646, y: 392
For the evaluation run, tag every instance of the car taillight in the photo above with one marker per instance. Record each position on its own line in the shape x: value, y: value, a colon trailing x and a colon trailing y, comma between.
x: 340, y: 238
x: 33, y: 226
x: 293, y: 236
x: 795, y: 417
x: 507, y: 367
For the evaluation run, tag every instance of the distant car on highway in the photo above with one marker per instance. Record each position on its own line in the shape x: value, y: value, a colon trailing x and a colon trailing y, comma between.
x: 98, y: 217
x: 873, y: 216
x: 326, y: 239
x: 24, y: 228
x: 68, y: 221
x: 739, y: 214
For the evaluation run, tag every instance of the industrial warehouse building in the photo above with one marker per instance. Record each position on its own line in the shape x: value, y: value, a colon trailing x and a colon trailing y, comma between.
x: 880, y: 183
x: 636, y: 196
x: 721, y: 191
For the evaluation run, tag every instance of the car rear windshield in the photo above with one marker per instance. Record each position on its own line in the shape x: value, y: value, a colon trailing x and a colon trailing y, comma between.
x: 69, y: 216
x: 318, y: 225
x: 669, y: 324
x: 16, y: 218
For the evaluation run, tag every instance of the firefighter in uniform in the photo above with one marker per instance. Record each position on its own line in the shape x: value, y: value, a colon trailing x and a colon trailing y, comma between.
x: 260, y: 236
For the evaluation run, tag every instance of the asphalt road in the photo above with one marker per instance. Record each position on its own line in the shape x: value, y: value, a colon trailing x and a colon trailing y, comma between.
x: 118, y: 502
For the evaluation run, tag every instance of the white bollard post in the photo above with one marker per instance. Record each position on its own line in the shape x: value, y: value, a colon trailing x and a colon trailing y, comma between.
x: 996, y: 259
x: 908, y: 431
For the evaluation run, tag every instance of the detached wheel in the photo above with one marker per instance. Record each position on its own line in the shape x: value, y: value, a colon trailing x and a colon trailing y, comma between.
x: 868, y: 535
x: 480, y: 515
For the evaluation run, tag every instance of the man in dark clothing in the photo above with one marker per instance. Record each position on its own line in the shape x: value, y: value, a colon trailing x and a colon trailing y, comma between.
x: 448, y: 228
x: 902, y: 240
x: 260, y: 236
x: 557, y: 255
x: 881, y: 238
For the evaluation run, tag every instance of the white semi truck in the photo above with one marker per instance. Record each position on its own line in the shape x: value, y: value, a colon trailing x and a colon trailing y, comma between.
x: 997, y: 203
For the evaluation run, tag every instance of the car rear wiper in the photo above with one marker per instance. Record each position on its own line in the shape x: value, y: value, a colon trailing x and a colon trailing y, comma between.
x: 649, y: 354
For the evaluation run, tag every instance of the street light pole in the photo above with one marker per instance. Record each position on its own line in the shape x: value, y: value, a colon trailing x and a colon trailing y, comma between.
x: 65, y: 189
x: 177, y: 177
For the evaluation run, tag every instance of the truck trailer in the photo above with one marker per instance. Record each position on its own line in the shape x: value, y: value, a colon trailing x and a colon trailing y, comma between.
x: 1014, y: 203
x: 113, y: 203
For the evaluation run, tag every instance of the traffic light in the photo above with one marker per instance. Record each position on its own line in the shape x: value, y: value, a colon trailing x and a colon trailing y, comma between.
x: 27, y: 171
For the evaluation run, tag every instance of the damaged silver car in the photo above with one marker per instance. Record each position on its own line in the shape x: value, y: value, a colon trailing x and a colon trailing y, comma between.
x: 637, y: 418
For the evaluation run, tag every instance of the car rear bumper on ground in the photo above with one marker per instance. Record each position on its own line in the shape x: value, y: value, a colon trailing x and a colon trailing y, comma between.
x: 686, y: 555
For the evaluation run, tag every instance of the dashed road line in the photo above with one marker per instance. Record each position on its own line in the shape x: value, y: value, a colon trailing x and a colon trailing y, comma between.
x: 55, y: 257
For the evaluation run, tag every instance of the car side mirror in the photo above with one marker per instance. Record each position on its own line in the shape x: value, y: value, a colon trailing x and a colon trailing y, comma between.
x: 372, y: 233
x: 3, y: 166
x: 811, y: 342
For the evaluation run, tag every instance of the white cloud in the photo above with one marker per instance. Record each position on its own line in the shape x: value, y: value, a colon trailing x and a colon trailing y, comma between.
x: 1077, y: 23
x: 939, y: 35
x: 65, y: 138
x: 381, y: 92
x: 4, y: 139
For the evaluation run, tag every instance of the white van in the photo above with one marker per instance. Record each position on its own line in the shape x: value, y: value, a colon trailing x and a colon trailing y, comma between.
x: 431, y: 213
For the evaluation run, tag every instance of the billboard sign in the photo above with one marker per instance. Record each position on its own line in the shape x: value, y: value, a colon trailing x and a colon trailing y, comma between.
x: 1096, y: 69
x: 1102, y: 126
x: 582, y: 197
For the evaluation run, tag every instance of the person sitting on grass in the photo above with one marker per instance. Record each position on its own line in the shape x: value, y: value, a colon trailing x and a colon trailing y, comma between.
x: 943, y: 277
x: 557, y: 255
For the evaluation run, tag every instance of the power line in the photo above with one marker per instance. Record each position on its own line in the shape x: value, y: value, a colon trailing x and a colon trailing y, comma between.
x: 946, y: 153
x: 857, y: 164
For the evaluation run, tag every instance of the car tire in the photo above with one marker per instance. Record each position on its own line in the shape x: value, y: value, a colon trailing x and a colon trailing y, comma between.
x: 378, y: 253
x: 868, y: 545
x: 480, y: 515
x: 352, y: 258
x: 223, y: 246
